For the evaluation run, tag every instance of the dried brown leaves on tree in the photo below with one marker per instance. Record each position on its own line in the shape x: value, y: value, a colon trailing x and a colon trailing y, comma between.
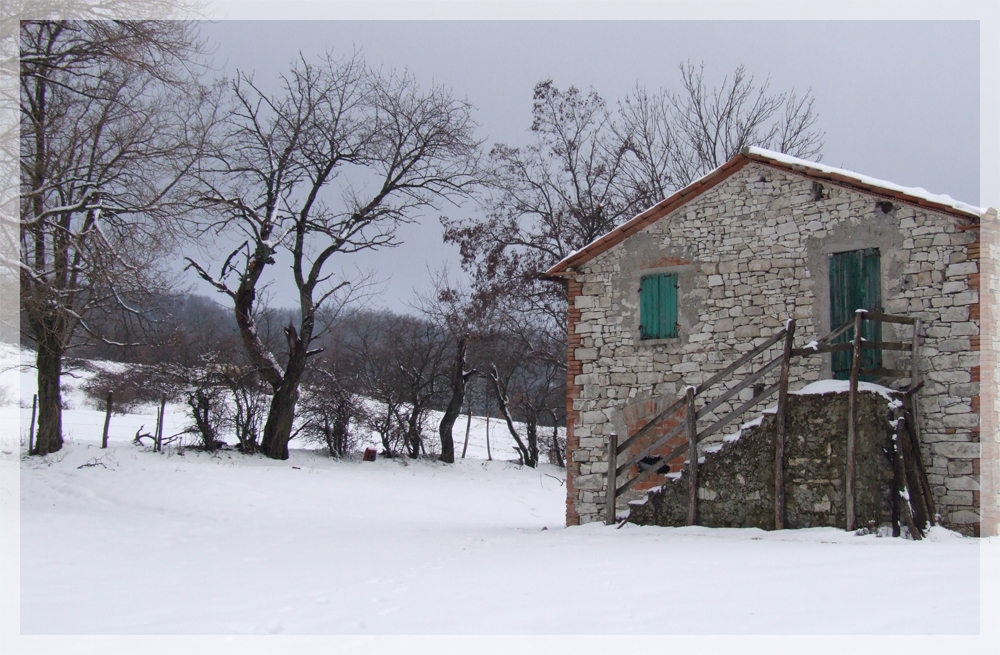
x: 112, y: 122
x: 588, y: 169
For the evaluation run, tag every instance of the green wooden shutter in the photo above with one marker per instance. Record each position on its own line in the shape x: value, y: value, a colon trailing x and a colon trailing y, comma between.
x: 855, y: 283
x: 658, y: 306
x: 668, y: 306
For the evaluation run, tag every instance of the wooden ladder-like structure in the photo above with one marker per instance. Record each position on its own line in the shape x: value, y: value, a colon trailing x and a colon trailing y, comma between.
x: 686, y: 408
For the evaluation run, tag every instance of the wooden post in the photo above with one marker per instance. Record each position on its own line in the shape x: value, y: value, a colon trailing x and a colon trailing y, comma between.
x: 918, y: 507
x: 468, y: 425
x: 852, y: 419
x: 692, y: 425
x: 31, y: 430
x: 914, y: 424
x: 779, y: 442
x: 159, y: 424
x: 107, y: 420
x: 899, y: 473
x: 610, y: 514
x: 897, y: 480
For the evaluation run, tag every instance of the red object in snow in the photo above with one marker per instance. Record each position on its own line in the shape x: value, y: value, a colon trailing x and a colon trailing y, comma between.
x: 369, y: 455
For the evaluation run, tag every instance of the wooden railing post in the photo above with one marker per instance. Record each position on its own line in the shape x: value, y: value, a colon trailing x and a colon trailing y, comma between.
x: 915, y: 378
x: 852, y: 419
x: 779, y: 442
x: 692, y: 426
x: 609, y: 511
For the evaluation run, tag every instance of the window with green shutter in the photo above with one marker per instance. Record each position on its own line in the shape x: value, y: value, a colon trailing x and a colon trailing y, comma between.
x: 658, y: 306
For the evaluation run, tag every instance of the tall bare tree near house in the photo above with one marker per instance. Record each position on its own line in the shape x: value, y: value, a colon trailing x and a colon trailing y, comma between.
x: 545, y: 200
x: 329, y: 166
x: 672, y: 138
x: 589, y: 168
x: 112, y: 123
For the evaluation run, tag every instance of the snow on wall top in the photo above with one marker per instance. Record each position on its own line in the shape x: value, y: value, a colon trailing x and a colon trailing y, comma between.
x: 915, y: 192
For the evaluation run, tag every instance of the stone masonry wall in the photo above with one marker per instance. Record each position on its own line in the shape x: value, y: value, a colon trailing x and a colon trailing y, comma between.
x: 736, y: 484
x: 750, y: 253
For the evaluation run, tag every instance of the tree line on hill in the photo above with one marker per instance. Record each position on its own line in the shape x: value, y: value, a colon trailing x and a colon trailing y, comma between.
x: 129, y: 152
x: 377, y: 372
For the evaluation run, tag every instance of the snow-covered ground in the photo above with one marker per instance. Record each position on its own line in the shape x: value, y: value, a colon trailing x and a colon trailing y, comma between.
x: 129, y: 542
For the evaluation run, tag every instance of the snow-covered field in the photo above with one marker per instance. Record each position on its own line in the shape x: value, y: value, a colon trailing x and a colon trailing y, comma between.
x: 139, y: 543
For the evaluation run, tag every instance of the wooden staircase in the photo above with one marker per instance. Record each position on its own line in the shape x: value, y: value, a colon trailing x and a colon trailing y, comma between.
x: 624, y: 472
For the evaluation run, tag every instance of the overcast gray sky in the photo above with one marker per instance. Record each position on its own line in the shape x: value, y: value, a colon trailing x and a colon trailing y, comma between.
x: 899, y: 100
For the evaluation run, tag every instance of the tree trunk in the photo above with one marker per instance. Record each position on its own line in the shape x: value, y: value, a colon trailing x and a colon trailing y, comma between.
x: 458, y: 379
x: 278, y: 428
x: 413, y: 433
x: 555, y: 446
x: 527, y: 456
x: 49, y: 362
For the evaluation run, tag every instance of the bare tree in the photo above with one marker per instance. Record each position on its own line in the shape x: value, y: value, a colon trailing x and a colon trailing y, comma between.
x: 112, y: 122
x: 451, y: 307
x: 674, y: 138
x: 393, y: 149
x: 589, y: 169
x: 546, y: 200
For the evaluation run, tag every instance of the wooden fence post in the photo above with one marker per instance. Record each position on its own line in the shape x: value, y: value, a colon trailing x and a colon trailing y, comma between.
x: 692, y: 430
x: 609, y: 511
x: 159, y: 424
x: 914, y: 381
x: 852, y: 419
x: 107, y: 420
x: 31, y: 430
x: 779, y: 442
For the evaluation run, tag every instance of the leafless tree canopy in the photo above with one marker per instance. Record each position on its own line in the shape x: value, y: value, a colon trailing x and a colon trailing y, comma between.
x: 112, y: 123
x: 589, y: 168
x: 386, y: 146
x: 672, y: 138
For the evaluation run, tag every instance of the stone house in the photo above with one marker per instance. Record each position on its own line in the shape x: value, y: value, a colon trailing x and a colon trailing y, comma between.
x: 685, y: 288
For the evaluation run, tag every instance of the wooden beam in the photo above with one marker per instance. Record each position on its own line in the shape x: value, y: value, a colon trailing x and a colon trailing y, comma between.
x: 837, y: 347
x: 674, y: 431
x: 899, y: 471
x: 897, y: 480
x: 885, y: 372
x: 692, y: 425
x: 739, y: 411
x: 915, y: 381
x: 704, y: 386
x: 704, y: 411
x: 844, y: 327
x: 652, y: 469
x: 884, y: 345
x: 779, y: 442
x: 925, y: 484
x: 913, y: 486
x: 676, y: 405
x: 889, y: 318
x: 852, y: 419
x: 609, y: 518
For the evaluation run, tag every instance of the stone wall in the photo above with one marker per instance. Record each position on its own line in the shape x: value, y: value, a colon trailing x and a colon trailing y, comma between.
x: 736, y: 483
x: 750, y: 253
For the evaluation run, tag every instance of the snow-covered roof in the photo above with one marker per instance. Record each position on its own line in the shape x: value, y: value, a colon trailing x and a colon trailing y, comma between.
x: 913, y: 192
x: 913, y: 195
